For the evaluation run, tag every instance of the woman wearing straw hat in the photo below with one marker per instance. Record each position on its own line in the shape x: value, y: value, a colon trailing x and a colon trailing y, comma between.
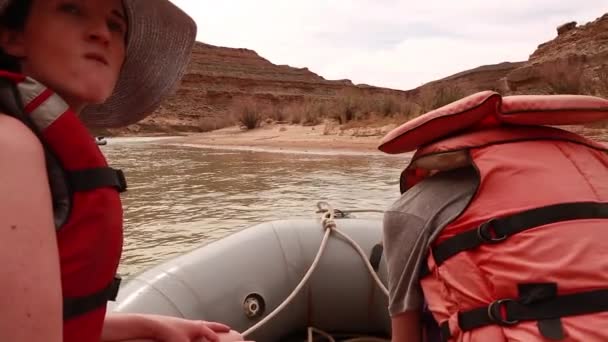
x: 65, y: 64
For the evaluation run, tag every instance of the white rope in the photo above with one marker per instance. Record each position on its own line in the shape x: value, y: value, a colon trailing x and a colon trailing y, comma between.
x: 364, y: 211
x: 326, y: 208
x: 312, y: 330
x: 365, y: 260
x: 329, y: 225
x: 312, y: 267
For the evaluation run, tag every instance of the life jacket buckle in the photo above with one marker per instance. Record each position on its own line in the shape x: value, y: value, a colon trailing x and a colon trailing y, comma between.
x: 122, y: 180
x: 114, y: 288
x: 494, y: 312
x: 487, y: 232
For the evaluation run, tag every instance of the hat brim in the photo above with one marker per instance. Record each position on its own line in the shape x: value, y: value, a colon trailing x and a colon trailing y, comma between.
x: 159, y: 47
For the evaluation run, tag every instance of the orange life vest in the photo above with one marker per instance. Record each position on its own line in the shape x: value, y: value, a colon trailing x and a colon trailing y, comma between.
x: 86, y: 203
x: 526, y: 260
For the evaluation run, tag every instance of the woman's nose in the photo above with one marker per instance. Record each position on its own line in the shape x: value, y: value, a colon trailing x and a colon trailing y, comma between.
x: 98, y: 31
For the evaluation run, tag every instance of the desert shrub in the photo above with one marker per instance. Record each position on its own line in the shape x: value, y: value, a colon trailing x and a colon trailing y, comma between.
x: 347, y: 108
x: 564, y: 78
x: 307, y: 113
x: 249, y: 114
x: 278, y: 113
x: 431, y: 98
x: 603, y: 81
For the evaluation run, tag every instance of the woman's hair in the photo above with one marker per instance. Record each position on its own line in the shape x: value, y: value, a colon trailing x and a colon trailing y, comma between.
x: 13, y: 18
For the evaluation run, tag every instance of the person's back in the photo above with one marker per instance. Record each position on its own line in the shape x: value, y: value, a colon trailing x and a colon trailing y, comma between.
x: 522, y: 260
x: 535, y: 230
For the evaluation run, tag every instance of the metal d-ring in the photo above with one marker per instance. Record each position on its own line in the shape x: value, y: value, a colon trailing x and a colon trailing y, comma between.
x: 484, y: 232
x: 496, y: 316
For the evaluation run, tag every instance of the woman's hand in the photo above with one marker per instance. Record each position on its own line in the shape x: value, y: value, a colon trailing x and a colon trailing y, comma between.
x: 173, y: 329
x: 156, y: 328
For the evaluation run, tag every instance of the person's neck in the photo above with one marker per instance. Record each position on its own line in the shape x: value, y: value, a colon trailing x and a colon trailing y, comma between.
x: 75, y: 105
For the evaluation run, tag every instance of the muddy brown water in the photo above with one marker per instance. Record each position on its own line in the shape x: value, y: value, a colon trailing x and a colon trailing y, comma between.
x: 182, y: 197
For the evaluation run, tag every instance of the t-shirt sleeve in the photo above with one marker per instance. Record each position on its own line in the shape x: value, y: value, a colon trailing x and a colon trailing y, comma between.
x: 412, y: 223
x: 405, y: 248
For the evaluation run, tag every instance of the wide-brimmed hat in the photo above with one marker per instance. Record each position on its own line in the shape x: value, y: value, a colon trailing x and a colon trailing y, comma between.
x: 159, y: 44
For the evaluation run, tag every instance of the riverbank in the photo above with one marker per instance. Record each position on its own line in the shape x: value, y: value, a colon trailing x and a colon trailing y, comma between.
x: 319, y: 138
x: 287, y: 137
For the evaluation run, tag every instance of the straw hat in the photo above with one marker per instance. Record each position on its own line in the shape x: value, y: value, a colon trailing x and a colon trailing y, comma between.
x: 159, y: 44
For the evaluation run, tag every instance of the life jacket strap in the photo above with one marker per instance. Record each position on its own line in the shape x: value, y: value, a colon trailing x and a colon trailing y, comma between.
x: 537, y: 302
x: 90, y: 179
x: 376, y: 256
x: 445, y: 333
x: 76, y: 306
x: 498, y: 230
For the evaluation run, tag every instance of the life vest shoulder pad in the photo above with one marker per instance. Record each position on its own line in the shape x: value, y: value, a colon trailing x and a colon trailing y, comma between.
x: 488, y: 109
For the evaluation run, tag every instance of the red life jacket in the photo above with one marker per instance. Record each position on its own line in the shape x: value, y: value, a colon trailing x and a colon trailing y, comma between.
x: 86, y: 203
x: 526, y: 260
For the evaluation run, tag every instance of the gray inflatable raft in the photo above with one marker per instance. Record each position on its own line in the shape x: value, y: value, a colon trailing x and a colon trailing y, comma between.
x: 241, y: 279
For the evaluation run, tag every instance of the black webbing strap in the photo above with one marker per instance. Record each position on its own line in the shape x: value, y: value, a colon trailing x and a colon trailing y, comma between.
x: 376, y: 256
x: 77, y: 306
x: 547, y: 312
x: 446, y: 334
x: 508, y: 312
x: 424, y: 269
x: 90, y: 179
x: 12, y: 105
x: 431, y: 329
x: 499, y: 229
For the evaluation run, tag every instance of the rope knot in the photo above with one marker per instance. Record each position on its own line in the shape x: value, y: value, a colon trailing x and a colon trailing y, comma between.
x: 328, y: 218
x: 328, y: 221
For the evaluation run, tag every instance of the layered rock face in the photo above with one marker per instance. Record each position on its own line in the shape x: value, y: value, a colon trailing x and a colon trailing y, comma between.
x: 576, y: 61
x: 219, y: 78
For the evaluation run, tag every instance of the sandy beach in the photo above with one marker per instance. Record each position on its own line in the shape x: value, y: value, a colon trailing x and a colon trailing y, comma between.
x: 284, y: 137
x: 296, y: 138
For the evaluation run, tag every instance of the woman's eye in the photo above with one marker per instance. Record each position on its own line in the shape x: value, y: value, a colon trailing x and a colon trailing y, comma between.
x: 115, y: 26
x: 69, y: 8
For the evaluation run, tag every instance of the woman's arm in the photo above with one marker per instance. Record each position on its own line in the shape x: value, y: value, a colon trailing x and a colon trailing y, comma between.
x: 134, y: 327
x: 30, y: 286
x: 120, y: 327
x: 406, y: 327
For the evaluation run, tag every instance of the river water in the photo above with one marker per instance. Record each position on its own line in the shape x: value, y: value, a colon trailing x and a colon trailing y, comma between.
x: 181, y: 197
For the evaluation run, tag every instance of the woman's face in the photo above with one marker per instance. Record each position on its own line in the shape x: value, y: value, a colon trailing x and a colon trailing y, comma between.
x: 75, y: 47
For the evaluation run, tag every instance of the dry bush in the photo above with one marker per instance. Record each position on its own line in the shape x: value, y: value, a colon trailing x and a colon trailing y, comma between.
x: 405, y: 108
x: 408, y: 110
x: 388, y: 105
x: 278, y: 113
x: 249, y: 114
x: 563, y: 78
x: 603, y: 81
x: 348, y: 108
x: 330, y: 128
x: 314, y: 113
x: 293, y: 113
x: 308, y: 113
x: 430, y: 99
x: 211, y: 124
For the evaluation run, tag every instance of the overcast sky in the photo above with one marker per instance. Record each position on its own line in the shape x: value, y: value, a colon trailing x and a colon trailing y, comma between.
x: 398, y: 44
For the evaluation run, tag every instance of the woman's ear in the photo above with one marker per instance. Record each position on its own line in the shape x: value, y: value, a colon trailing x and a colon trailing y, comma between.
x: 12, y: 43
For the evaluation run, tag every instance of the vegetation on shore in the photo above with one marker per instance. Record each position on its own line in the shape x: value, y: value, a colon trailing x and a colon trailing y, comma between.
x: 352, y: 109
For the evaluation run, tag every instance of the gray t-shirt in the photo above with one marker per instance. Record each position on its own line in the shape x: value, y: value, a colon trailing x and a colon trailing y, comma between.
x: 413, y: 222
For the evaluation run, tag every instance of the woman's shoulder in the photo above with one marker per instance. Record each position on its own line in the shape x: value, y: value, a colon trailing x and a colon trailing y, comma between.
x: 18, y: 141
